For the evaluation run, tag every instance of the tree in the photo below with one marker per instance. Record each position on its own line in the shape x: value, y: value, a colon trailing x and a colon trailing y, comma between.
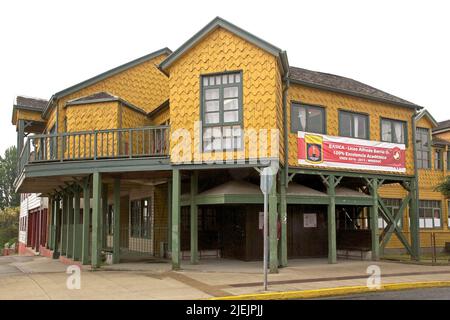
x: 444, y: 187
x: 9, y: 225
x: 8, y: 173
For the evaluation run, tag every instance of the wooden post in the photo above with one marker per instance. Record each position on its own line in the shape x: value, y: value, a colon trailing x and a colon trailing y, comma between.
x: 176, y: 186
x: 104, y: 214
x: 116, y: 231
x: 283, y: 218
x: 414, y: 221
x: 77, y: 231
x: 64, y: 225
x: 194, y: 218
x: 70, y: 223
x: 332, y: 254
x: 273, y: 228
x: 86, y: 222
x: 51, y: 209
x: 375, y: 233
x: 57, y: 229
x: 96, y: 220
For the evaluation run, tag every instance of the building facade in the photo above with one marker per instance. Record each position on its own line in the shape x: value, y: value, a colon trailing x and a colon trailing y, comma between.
x: 162, y: 157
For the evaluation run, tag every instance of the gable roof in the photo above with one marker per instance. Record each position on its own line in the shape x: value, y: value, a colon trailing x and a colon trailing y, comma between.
x: 222, y: 23
x: 344, y: 85
x: 442, y: 126
x: 425, y: 113
x: 103, y: 96
x: 104, y: 75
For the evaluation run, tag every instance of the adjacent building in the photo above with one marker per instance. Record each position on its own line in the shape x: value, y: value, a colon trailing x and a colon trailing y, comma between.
x: 162, y: 156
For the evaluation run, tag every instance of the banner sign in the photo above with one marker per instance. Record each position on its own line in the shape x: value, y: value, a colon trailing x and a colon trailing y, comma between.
x: 347, y: 153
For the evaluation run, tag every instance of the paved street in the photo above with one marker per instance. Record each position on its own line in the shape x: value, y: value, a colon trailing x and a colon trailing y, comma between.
x: 415, y: 294
x: 43, y: 278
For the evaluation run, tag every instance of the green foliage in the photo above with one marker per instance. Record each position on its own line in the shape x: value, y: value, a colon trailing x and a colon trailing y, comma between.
x: 9, y: 225
x: 8, y: 173
x: 444, y: 187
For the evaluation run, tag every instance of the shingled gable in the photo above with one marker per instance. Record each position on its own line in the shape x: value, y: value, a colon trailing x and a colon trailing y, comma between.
x: 426, y: 114
x: 103, y: 76
x: 218, y: 22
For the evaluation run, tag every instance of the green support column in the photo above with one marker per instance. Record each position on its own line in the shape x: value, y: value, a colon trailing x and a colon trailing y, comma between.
x: 332, y: 255
x: 273, y: 228
x: 63, y: 226
x: 414, y: 221
x: 375, y: 233
x: 176, y: 186
x: 104, y: 213
x: 51, y: 208
x: 194, y: 218
x: 70, y: 222
x: 77, y: 230
x: 283, y: 218
x: 57, y: 229
x: 169, y: 212
x: 86, y: 222
x: 96, y: 219
x: 116, y: 231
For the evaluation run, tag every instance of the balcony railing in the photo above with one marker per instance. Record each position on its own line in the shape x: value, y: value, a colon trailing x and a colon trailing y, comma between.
x: 95, y: 145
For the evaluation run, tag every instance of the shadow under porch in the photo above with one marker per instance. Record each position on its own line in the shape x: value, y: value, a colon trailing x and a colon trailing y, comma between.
x: 84, y: 225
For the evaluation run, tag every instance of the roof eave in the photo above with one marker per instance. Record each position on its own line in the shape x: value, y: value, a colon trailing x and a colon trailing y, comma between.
x: 426, y: 113
x: 355, y: 94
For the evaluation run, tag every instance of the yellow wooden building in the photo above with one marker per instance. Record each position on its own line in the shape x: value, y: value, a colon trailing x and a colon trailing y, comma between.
x: 163, y: 156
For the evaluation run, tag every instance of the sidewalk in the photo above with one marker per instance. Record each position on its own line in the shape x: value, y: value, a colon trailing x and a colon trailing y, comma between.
x: 43, y: 278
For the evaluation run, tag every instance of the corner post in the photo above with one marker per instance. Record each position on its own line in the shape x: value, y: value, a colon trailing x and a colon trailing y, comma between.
x: 176, y: 186
x: 70, y: 224
x: 64, y: 225
x: 116, y: 224
x: 104, y: 195
x: 194, y: 218
x: 96, y: 219
x: 86, y: 222
x: 57, y: 228
x: 332, y: 255
x: 51, y: 209
x: 273, y: 228
x: 375, y: 232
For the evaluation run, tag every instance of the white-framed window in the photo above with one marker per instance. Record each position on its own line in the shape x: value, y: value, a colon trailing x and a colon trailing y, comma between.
x: 221, y: 112
x: 429, y: 214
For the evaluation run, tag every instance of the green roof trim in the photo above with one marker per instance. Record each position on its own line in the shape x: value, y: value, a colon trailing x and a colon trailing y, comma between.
x: 219, y: 22
x: 425, y: 113
x: 103, y: 76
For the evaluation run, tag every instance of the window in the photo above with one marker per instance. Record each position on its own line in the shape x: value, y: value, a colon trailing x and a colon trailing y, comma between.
x: 353, y: 125
x: 394, y: 205
x: 307, y: 118
x: 423, y: 148
x: 222, y: 111
x: 140, y: 223
x: 393, y: 131
x: 429, y: 214
x: 438, y: 165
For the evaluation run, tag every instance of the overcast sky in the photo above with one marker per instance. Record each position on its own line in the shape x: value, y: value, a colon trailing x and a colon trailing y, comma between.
x: 402, y: 47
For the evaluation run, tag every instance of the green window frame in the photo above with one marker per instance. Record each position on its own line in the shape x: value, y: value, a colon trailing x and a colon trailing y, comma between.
x: 438, y: 159
x: 430, y: 214
x: 393, y: 131
x: 141, y: 218
x: 423, y: 148
x: 221, y: 111
x: 351, y: 124
x: 302, y: 115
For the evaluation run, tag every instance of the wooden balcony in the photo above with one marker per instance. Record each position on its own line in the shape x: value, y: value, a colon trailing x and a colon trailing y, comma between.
x: 110, y: 144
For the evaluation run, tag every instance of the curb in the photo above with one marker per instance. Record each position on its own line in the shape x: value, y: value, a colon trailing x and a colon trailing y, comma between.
x: 330, y: 292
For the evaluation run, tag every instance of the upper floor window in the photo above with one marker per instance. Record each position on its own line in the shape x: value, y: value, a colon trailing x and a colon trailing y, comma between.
x: 393, y: 131
x: 353, y: 125
x: 423, y: 148
x: 429, y: 214
x: 222, y: 111
x: 438, y: 163
x: 307, y: 118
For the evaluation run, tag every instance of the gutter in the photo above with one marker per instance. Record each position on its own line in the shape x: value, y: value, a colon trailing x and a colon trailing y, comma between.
x: 416, y: 170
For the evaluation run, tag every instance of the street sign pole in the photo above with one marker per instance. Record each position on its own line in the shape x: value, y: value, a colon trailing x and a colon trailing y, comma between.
x: 266, y: 182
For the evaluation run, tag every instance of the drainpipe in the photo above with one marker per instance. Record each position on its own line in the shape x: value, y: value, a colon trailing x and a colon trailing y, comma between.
x: 415, y: 244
